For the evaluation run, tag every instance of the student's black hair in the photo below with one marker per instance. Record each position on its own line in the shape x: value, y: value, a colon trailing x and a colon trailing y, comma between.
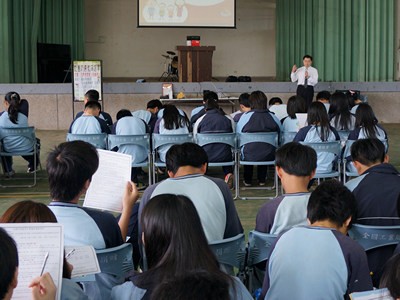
x: 13, y: 99
x: 258, y: 100
x: 365, y: 118
x: 210, y: 95
x: 187, y: 154
x: 92, y: 95
x: 93, y: 104
x: 211, y: 104
x: 123, y: 113
x: 296, y: 159
x: 340, y: 109
x: 8, y: 262
x: 274, y: 100
x: 244, y: 99
x: 391, y: 276
x: 174, y: 241
x: 332, y: 201
x: 323, y: 95
x: 173, y: 119
x: 317, y: 115
x: 307, y: 56
x: 154, y: 103
x: 69, y: 166
x: 296, y: 105
x: 194, y: 285
x: 368, y: 151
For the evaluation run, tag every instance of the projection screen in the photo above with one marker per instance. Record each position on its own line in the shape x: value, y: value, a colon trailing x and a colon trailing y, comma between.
x: 186, y: 13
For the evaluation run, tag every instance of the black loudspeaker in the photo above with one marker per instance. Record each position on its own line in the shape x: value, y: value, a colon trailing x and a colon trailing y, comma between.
x: 54, y: 62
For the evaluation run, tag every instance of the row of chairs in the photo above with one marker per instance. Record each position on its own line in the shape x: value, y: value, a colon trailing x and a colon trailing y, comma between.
x: 244, y: 257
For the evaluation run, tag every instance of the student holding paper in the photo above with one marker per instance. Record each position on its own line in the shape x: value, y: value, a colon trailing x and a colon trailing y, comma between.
x: 42, y: 287
x: 70, y: 167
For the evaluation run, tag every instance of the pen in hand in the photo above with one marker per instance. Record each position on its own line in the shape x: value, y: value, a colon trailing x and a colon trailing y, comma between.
x: 69, y: 253
x: 44, y: 263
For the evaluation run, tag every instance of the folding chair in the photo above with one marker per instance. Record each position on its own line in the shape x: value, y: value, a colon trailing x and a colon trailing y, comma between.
x: 98, y: 140
x: 229, y: 139
x: 328, y: 147
x: 159, y: 140
x: 344, y: 135
x: 259, y: 251
x: 372, y: 237
x: 142, y: 140
x: 231, y: 253
x: 27, y: 133
x: 270, y: 138
x: 287, y: 137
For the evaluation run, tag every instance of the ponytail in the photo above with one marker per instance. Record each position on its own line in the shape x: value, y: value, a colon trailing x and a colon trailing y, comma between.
x: 13, y: 100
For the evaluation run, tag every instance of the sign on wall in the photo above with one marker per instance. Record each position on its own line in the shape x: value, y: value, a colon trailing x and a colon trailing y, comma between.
x: 87, y: 75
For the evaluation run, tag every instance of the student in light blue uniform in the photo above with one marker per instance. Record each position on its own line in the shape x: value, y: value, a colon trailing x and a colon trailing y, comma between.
x: 89, y: 122
x: 324, y: 97
x: 93, y: 95
x: 13, y: 118
x: 175, y: 244
x: 172, y: 122
x: 319, y: 261
x: 318, y: 131
x: 259, y: 119
x: 339, y: 112
x: 244, y: 106
x: 129, y: 125
x: 366, y: 126
x: 295, y: 105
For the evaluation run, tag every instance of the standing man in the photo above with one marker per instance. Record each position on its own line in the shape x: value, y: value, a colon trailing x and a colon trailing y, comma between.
x: 307, y: 78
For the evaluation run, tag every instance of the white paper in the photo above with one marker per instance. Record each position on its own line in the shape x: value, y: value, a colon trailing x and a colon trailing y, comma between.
x: 380, y: 294
x: 109, y: 182
x: 33, y: 241
x: 302, y: 120
x: 280, y: 111
x: 83, y: 259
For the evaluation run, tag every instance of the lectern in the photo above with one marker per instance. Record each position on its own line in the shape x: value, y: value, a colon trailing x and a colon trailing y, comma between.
x: 195, y: 63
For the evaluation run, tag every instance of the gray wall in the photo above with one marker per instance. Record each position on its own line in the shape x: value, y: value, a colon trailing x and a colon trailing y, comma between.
x: 128, y: 51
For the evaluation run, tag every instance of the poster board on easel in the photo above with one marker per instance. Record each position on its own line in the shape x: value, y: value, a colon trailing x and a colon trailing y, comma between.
x: 87, y: 75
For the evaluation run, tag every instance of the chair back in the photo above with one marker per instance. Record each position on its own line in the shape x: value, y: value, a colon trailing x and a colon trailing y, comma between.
x: 122, y: 140
x: 170, y: 139
x: 116, y: 261
x: 329, y: 147
x: 230, y: 251
x: 25, y: 132
x: 257, y: 137
x: 287, y: 136
x: 372, y: 237
x: 260, y: 245
x: 98, y: 140
x: 229, y: 139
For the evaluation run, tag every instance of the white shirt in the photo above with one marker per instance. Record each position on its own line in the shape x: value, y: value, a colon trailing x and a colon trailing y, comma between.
x: 299, y: 76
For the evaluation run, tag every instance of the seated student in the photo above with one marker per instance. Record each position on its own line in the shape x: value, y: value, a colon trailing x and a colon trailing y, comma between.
x: 129, y: 125
x: 93, y: 95
x: 216, y: 121
x: 377, y: 191
x: 391, y: 276
x: 275, y: 101
x: 199, y: 111
x: 186, y: 166
x: 70, y: 167
x: 366, y: 126
x: 153, y: 106
x: 339, y: 112
x: 295, y: 165
x: 324, y: 97
x: 28, y: 211
x: 43, y: 287
x: 23, y: 104
x: 319, y: 261
x: 259, y: 119
x: 195, y: 285
x: 172, y: 122
x: 317, y: 131
x: 89, y: 122
x: 295, y: 105
x: 355, y: 99
x: 244, y: 106
x: 175, y: 244
x: 13, y: 118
